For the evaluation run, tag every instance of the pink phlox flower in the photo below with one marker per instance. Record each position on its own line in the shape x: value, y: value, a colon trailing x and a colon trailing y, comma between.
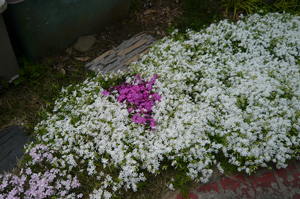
x: 139, y: 97
x: 121, y: 98
x: 105, y: 93
x: 136, y: 118
x: 130, y: 110
x: 156, y: 96
x: 152, y: 123
x: 138, y: 79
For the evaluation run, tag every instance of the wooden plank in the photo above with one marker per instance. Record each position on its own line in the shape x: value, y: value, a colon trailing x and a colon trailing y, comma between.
x: 132, y: 59
x: 98, y: 59
x: 136, y: 58
x: 96, y: 68
x: 122, y: 68
x: 109, y: 68
x: 120, y: 57
x: 129, y: 42
x: 131, y: 48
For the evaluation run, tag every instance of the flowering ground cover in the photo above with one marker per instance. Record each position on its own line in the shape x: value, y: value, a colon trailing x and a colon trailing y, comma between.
x: 225, y: 97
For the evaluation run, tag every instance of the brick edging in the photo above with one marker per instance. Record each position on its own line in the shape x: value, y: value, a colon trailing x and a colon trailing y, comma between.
x: 278, y: 183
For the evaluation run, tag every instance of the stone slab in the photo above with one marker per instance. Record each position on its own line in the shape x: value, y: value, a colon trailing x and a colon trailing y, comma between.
x: 12, y: 142
x: 121, y: 56
x: 85, y: 43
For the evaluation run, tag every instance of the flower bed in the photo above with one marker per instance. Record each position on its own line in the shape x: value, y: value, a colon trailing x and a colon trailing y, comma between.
x: 226, y: 96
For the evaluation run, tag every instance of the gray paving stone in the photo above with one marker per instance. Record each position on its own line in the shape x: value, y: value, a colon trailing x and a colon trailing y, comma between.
x: 120, y: 57
x: 121, y: 68
x: 12, y: 141
x: 130, y: 42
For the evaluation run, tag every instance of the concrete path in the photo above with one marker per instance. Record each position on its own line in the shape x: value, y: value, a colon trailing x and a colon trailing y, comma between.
x: 265, y: 184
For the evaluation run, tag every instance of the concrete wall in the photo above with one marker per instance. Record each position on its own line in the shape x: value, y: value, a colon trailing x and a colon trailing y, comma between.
x: 45, y: 27
x: 8, y: 63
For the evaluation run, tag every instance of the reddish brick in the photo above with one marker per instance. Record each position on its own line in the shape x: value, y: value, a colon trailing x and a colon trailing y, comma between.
x: 297, y: 165
x: 265, y: 180
x: 297, y: 196
x: 179, y: 197
x: 237, y: 184
x: 209, y: 187
x: 283, y: 173
x: 193, y: 196
x: 284, y: 177
x: 231, y: 183
x: 290, y: 177
x: 295, y: 182
x: 291, y: 168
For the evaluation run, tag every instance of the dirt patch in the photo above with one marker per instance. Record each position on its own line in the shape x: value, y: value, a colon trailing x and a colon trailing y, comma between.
x: 153, y: 19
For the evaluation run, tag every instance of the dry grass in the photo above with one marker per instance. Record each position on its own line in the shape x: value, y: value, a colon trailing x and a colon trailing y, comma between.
x: 23, y: 103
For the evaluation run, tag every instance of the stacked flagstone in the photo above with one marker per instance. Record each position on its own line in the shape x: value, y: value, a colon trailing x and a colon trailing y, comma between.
x: 120, y: 57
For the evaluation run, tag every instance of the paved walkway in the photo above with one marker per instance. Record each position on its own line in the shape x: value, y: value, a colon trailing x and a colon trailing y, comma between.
x: 266, y: 184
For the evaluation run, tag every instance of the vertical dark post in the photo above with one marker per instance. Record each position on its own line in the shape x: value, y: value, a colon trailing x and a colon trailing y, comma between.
x: 8, y: 62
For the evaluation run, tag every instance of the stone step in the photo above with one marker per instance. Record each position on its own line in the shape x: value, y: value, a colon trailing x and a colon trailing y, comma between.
x: 12, y: 142
x: 120, y: 57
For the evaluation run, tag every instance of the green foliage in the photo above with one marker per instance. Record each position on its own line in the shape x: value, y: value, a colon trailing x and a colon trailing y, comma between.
x: 182, y: 182
x: 292, y: 6
x: 233, y: 8
x: 236, y: 7
x: 29, y: 97
x: 29, y: 72
x: 112, y: 81
x: 242, y: 102
x: 228, y: 168
x: 198, y: 14
x: 135, y: 5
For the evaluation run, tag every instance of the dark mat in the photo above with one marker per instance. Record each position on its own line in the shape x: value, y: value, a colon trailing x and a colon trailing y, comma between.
x: 12, y: 141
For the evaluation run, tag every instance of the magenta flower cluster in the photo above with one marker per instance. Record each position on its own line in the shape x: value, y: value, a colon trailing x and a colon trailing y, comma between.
x: 139, y: 99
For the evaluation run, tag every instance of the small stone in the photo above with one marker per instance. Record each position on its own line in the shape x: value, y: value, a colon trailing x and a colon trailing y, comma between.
x: 149, y: 11
x: 62, y: 71
x: 85, y: 43
x: 69, y: 51
x: 82, y: 59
